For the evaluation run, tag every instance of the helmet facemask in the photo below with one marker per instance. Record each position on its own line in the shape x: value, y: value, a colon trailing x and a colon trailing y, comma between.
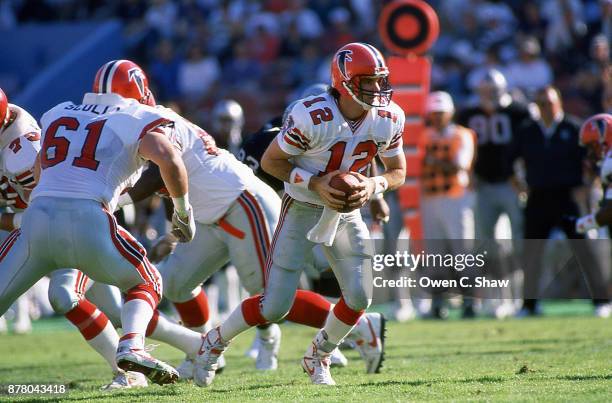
x: 368, y: 98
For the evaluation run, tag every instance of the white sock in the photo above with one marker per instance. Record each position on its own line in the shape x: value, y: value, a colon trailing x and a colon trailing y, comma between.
x: 233, y: 288
x: 212, y: 292
x: 335, y: 329
x: 135, y: 317
x: 22, y: 310
x: 177, y: 336
x: 105, y: 344
x: 266, y: 331
x: 233, y: 325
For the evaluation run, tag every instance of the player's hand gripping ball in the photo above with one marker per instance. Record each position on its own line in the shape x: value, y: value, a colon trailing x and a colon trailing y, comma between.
x: 348, y: 184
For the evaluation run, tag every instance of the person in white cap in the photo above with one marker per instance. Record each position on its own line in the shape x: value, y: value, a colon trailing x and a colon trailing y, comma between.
x: 446, y: 207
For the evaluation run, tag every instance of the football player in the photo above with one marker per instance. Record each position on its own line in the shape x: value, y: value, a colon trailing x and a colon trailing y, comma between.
x: 596, y: 135
x: 323, y: 135
x: 235, y: 213
x: 90, y: 152
x: 496, y: 120
x: 317, y: 268
x: 19, y: 139
x: 227, y: 123
x: 67, y: 287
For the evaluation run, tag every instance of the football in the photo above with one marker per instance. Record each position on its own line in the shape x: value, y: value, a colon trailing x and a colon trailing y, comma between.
x: 347, y: 183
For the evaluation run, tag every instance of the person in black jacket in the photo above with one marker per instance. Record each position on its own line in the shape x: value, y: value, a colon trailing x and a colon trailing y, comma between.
x: 554, y: 160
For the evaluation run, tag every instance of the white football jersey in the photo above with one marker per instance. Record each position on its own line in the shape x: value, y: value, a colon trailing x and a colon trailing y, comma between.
x: 90, y: 150
x: 216, y: 177
x: 19, y: 146
x: 606, y: 175
x: 322, y: 140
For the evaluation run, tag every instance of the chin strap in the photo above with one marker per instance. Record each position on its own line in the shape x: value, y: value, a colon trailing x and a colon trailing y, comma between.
x: 365, y: 106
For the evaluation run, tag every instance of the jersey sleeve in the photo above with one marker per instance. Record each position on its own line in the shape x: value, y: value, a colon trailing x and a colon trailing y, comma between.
x: 296, y: 135
x: 19, y: 158
x: 395, y: 145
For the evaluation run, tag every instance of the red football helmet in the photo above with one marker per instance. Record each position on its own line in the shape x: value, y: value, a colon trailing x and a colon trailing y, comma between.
x: 124, y: 78
x: 5, y: 113
x: 352, y: 63
x: 596, y: 133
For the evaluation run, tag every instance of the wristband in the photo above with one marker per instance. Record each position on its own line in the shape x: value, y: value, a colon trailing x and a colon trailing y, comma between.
x: 381, y: 184
x: 586, y: 223
x: 377, y: 196
x: 181, y: 204
x: 300, y: 177
x: 17, y: 217
x: 124, y: 200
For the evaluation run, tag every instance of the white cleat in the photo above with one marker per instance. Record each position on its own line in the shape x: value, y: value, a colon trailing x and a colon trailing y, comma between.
x: 126, y: 380
x: 207, y: 360
x: 267, y: 357
x: 603, y: 311
x: 337, y: 359
x: 405, y: 312
x: 504, y: 310
x: 22, y: 326
x: 138, y: 360
x: 369, y: 338
x: 253, y: 350
x: 316, y: 363
x: 185, y: 369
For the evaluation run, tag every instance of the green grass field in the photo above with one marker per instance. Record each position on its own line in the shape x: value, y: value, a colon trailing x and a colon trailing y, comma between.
x: 558, y: 358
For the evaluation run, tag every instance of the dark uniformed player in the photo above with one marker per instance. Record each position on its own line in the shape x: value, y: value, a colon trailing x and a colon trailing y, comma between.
x: 495, y: 120
x: 255, y: 145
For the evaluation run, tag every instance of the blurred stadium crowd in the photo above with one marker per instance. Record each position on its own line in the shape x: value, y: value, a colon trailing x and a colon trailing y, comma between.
x: 262, y: 54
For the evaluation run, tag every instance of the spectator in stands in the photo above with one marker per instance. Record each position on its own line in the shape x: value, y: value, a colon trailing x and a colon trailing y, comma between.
x: 531, y: 21
x: 241, y: 70
x: 197, y: 73
x: 446, y: 205
x: 588, y: 81
x: 304, y: 69
x: 263, y: 45
x: 554, y: 161
x: 292, y: 42
x: 531, y: 71
x: 340, y: 32
x: 164, y: 70
x: 565, y: 24
x: 307, y: 21
x: 161, y: 16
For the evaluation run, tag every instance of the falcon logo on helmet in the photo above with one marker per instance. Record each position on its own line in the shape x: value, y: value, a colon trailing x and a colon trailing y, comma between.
x: 343, y: 57
x: 596, y: 133
x: 136, y: 75
x: 358, y: 61
x: 125, y: 78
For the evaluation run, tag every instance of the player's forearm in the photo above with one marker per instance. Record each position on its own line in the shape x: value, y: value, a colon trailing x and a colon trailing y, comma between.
x: 174, y: 174
x: 156, y: 147
x: 280, y: 168
x: 395, y: 177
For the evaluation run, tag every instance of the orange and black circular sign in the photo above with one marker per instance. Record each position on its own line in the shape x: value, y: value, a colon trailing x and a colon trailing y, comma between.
x: 408, y: 26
